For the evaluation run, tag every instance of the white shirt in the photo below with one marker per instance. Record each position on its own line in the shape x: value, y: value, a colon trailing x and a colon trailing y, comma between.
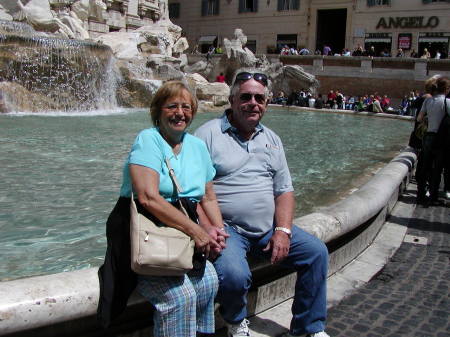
x: 434, y: 109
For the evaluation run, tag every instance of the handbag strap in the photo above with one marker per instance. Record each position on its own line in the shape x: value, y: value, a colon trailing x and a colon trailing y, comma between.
x: 177, y: 185
x: 445, y: 106
x: 173, y: 176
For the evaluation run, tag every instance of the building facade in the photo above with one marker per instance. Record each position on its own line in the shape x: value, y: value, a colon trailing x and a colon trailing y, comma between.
x: 387, y: 25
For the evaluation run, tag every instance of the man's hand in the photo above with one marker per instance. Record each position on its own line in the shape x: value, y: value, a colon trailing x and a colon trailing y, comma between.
x: 279, y: 243
x: 218, y: 235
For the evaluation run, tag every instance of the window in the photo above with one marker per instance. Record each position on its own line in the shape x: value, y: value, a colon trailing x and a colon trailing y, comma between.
x: 286, y: 5
x: 430, y: 1
x: 251, y: 44
x: 289, y: 40
x: 378, y: 2
x: 248, y: 6
x: 174, y: 11
x: 210, y: 7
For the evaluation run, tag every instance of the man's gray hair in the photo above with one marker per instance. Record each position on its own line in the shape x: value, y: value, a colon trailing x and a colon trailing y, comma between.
x: 236, y: 85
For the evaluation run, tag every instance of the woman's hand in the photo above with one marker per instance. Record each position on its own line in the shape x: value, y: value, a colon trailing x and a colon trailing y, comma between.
x: 204, y: 243
x: 210, y: 219
x: 218, y: 235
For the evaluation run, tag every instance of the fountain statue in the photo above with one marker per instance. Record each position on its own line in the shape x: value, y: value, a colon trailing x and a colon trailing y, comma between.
x: 48, y: 55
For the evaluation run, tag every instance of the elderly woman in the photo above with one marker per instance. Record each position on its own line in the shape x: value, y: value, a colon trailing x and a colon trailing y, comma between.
x: 184, y: 304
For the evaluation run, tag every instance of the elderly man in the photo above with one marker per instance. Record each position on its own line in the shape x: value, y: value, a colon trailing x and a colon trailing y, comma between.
x: 255, y: 194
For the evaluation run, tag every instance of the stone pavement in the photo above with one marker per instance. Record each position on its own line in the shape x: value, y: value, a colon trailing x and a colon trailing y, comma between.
x: 410, y: 295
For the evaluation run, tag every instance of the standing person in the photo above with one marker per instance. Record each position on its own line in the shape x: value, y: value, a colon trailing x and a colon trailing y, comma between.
x: 339, y: 100
x: 220, y: 78
x: 256, y: 197
x: 385, y: 102
x: 326, y: 50
x: 358, y: 51
x: 304, y: 51
x: 318, y: 104
x: 426, y: 54
x: 433, y: 153
x: 210, y: 53
x: 184, y: 305
x: 331, y: 98
x: 447, y: 163
x: 376, y: 105
x: 438, y: 55
x: 371, y: 52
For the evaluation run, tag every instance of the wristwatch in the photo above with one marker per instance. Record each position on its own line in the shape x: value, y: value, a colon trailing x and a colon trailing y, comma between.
x: 286, y: 230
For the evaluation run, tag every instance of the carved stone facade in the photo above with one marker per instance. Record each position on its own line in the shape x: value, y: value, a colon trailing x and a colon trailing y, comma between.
x: 96, y: 17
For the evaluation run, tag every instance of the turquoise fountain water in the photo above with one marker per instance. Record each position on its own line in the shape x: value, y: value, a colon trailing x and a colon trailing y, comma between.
x: 61, y: 174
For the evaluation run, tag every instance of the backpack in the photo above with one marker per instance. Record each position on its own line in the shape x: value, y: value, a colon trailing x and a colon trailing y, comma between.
x: 443, y: 134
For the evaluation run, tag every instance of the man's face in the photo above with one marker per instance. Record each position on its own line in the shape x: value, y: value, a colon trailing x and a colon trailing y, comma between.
x: 249, y: 105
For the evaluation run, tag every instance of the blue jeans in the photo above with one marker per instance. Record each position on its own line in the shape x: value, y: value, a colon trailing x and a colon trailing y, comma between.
x: 308, y: 256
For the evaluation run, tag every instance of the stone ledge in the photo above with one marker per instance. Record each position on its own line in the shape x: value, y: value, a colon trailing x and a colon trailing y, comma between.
x: 48, y: 305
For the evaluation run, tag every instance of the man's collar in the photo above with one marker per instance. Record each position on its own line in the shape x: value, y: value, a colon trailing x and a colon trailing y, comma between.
x: 225, y: 124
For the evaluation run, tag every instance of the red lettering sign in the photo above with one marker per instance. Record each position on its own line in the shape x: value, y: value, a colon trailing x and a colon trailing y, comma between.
x: 404, y: 41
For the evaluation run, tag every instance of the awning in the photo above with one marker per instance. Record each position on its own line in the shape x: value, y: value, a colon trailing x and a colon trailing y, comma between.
x: 206, y: 39
x: 385, y: 40
x: 433, y: 39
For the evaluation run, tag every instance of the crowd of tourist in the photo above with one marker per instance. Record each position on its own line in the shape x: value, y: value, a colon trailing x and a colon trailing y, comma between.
x: 335, y: 99
x: 359, y: 51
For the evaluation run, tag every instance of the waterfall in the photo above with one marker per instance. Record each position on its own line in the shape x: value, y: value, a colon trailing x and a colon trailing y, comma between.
x: 40, y: 73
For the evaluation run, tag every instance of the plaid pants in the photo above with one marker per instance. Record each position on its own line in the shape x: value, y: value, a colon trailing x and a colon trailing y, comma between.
x: 184, y: 305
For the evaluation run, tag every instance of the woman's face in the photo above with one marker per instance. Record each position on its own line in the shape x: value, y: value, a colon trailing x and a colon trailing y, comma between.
x: 176, y: 114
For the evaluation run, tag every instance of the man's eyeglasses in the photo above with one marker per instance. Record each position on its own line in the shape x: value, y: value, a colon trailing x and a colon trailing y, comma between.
x: 245, y: 76
x: 259, y: 98
x: 175, y: 106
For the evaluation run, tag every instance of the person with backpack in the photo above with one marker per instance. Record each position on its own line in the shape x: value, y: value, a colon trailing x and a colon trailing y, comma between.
x: 435, y: 145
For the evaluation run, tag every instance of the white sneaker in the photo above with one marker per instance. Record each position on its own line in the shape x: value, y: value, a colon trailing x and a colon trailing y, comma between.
x: 319, y: 334
x: 447, y: 195
x: 239, y: 330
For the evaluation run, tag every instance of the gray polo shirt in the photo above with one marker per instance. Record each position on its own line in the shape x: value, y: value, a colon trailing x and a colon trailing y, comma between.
x: 249, y: 174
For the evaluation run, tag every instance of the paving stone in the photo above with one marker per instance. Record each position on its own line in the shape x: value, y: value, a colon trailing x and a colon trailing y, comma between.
x: 409, y: 296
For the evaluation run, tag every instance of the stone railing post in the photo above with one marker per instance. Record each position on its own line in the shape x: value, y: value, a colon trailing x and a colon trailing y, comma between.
x: 366, y: 65
x: 318, y: 64
x: 420, y: 69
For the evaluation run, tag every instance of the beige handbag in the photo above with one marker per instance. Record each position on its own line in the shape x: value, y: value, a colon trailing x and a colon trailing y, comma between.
x: 159, y: 251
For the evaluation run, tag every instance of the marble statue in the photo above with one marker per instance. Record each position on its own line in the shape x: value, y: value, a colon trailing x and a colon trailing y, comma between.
x: 39, y: 15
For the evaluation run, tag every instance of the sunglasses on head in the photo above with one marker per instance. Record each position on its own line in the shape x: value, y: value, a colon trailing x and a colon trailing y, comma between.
x: 259, y: 98
x: 245, y: 76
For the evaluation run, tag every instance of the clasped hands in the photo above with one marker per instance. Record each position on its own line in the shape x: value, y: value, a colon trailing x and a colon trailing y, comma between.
x: 212, y: 242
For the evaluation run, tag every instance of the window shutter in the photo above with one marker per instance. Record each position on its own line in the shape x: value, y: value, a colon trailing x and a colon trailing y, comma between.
x: 255, y: 5
x: 370, y: 3
x: 426, y: 1
x: 241, y: 6
x: 204, y: 7
x: 296, y: 4
x: 217, y: 7
x: 280, y: 5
